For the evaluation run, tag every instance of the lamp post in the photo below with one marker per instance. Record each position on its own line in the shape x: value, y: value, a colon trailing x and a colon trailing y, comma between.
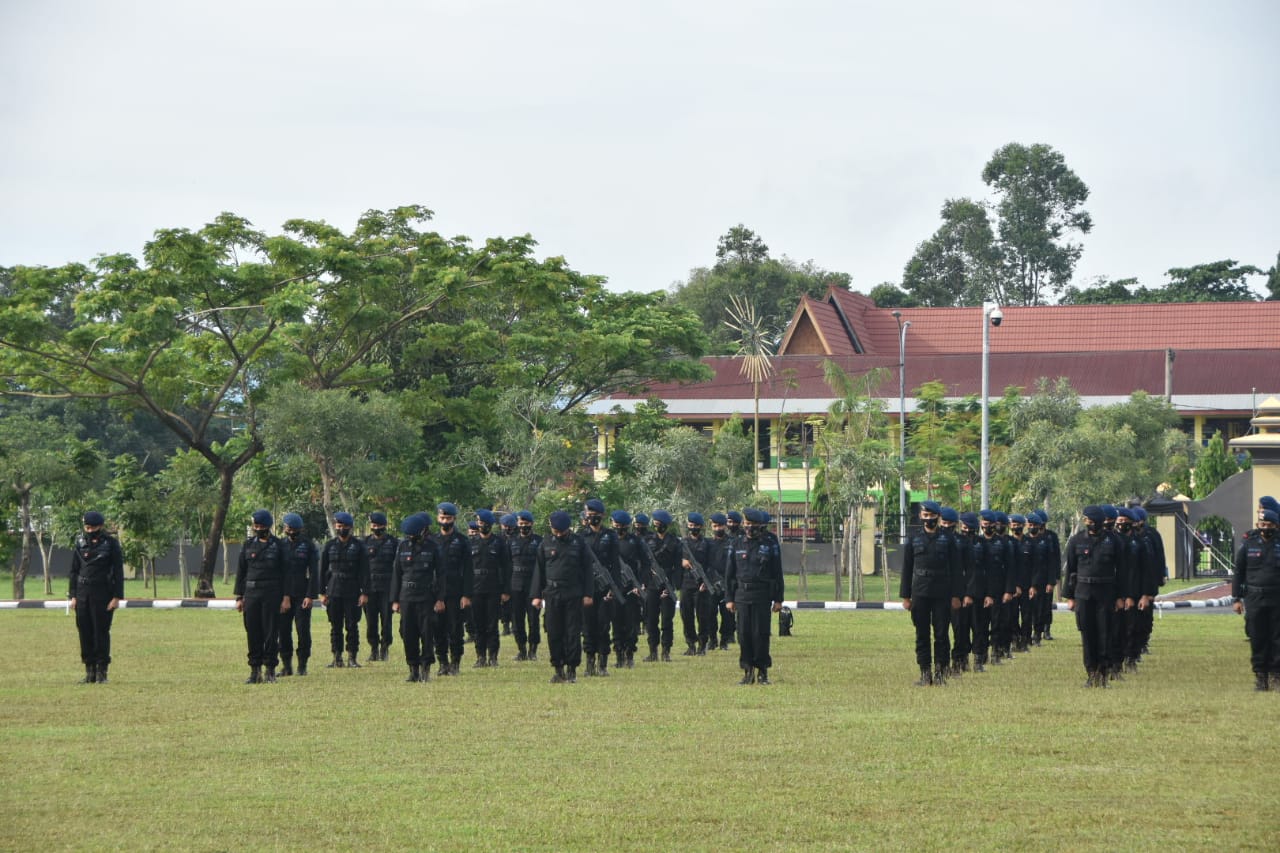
x: 991, y: 316
x: 902, y: 425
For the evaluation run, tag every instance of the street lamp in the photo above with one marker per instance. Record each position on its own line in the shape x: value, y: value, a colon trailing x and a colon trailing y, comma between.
x: 902, y: 425
x: 991, y: 316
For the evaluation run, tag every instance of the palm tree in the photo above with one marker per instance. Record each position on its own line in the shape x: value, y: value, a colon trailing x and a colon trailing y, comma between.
x: 755, y: 345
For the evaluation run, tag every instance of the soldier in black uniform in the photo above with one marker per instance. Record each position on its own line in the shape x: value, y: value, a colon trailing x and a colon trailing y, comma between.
x: 1026, y: 600
x: 626, y: 619
x: 1257, y: 581
x: 696, y: 608
x: 1154, y: 545
x: 486, y: 586
x: 302, y: 587
x: 525, y: 617
x: 381, y: 551
x: 719, y: 562
x: 508, y: 524
x: 414, y: 594
x: 598, y: 618
x: 931, y: 588
x: 989, y: 586
x: 95, y: 590
x: 260, y: 596
x: 1045, y: 574
x: 1093, y: 557
x: 755, y: 589
x: 660, y: 601
x: 1006, y: 625
x: 728, y: 622
x: 454, y: 565
x: 562, y: 578
x: 962, y: 616
x: 344, y: 577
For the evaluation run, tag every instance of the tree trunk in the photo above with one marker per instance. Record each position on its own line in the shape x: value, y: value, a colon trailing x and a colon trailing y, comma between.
x: 183, y: 578
x: 20, y: 575
x: 46, y: 559
x: 209, y: 557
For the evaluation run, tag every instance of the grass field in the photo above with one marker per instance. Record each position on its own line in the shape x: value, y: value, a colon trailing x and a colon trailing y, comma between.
x: 841, y: 752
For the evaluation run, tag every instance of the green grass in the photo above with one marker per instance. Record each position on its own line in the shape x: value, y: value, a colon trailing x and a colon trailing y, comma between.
x: 840, y: 753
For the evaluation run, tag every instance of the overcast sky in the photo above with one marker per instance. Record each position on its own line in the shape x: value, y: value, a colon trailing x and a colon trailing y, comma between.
x: 629, y: 137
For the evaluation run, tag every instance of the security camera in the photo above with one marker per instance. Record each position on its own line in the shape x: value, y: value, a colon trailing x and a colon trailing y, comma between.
x: 997, y: 316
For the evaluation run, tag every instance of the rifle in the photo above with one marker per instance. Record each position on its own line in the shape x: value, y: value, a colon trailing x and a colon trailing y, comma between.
x: 627, y: 574
x: 703, y: 576
x: 658, y: 574
x: 602, y: 573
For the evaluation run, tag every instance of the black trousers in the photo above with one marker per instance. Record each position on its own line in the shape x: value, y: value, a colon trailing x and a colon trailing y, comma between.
x: 93, y: 623
x: 1002, y: 623
x: 417, y: 627
x: 261, y: 611
x: 596, y: 621
x: 1146, y: 622
x: 962, y: 628
x: 1026, y: 613
x: 659, y: 610
x: 344, y: 614
x: 1262, y: 622
x: 296, y: 616
x: 932, y: 613
x: 982, y: 629
x: 1094, y: 618
x: 484, y: 613
x: 755, y: 624
x: 626, y: 624
x: 1043, y: 612
x: 524, y: 620
x: 377, y: 618
x: 728, y: 625
x: 564, y: 629
x: 448, y: 630
x: 697, y: 616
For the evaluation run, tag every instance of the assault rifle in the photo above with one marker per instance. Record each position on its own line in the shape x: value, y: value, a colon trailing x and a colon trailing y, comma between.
x: 602, y: 574
x: 658, y: 574
x: 703, y: 576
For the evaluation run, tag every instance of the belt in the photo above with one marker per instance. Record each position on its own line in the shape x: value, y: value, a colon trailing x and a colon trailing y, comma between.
x: 273, y: 584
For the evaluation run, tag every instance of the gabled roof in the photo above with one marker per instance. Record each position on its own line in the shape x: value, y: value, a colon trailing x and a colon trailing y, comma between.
x: 816, y: 329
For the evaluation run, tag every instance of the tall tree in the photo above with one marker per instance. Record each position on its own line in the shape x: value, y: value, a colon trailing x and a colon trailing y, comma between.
x: 1273, y: 280
x: 1219, y: 281
x: 755, y: 346
x: 1039, y: 208
x: 960, y: 263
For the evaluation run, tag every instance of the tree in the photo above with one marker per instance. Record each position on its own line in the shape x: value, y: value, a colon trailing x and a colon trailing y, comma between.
x: 146, y: 528
x: 38, y: 457
x: 756, y: 349
x: 889, y: 295
x: 1213, y: 467
x: 1220, y: 281
x: 1107, y: 292
x: 1273, y: 280
x: 943, y: 442
x: 1038, y: 209
x: 740, y: 245
x: 960, y: 263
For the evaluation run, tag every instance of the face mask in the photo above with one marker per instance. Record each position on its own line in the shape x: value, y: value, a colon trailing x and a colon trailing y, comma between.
x: 485, y: 528
x: 291, y: 533
x: 377, y: 531
x: 660, y: 527
x: 720, y: 533
x: 263, y: 532
x: 525, y: 529
x: 1267, y: 532
x: 989, y: 532
x: 695, y: 532
x: 620, y: 531
x: 930, y: 523
x: 755, y: 530
x: 343, y: 532
x: 593, y: 520
x: 446, y: 526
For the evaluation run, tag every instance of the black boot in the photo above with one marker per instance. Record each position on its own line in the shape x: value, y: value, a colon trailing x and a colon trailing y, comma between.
x: 302, y: 666
x: 631, y: 660
x: 352, y: 661
x: 455, y: 661
x: 270, y: 676
x: 382, y: 651
x: 336, y: 663
x: 522, y: 655
x: 1261, y: 682
x: 621, y: 660
x: 603, y: 668
x: 559, y: 677
x: 1092, y: 680
x: 702, y: 649
x: 102, y: 673
x: 255, y: 675
x: 481, y: 661
x: 666, y: 654
x: 748, y: 675
x: 762, y: 676
x: 979, y: 663
x: 286, y: 666
x: 926, y: 678
x: 493, y: 658
x: 653, y: 655
x: 373, y: 654
x: 425, y: 674
x: 533, y: 651
x: 940, y: 677
x: 90, y: 674
x: 571, y: 675
x: 690, y: 652
x: 414, y: 673
x: 591, y: 666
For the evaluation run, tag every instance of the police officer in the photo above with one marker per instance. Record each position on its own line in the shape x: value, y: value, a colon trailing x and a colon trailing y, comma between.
x: 562, y: 579
x: 728, y: 622
x: 508, y: 524
x: 525, y: 617
x: 719, y: 561
x: 755, y: 589
x: 381, y: 551
x: 989, y: 586
x: 696, y: 613
x: 962, y: 617
x: 486, y: 586
x: 95, y: 590
x: 1154, y: 546
x: 1093, y: 557
x: 626, y: 618
x: 660, y: 600
x: 344, y: 576
x: 302, y: 587
x: 454, y: 565
x: 1025, y: 600
x: 1007, y: 617
x: 1257, y: 582
x: 598, y: 618
x: 414, y: 594
x: 930, y: 589
x: 260, y: 596
x: 1045, y: 573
